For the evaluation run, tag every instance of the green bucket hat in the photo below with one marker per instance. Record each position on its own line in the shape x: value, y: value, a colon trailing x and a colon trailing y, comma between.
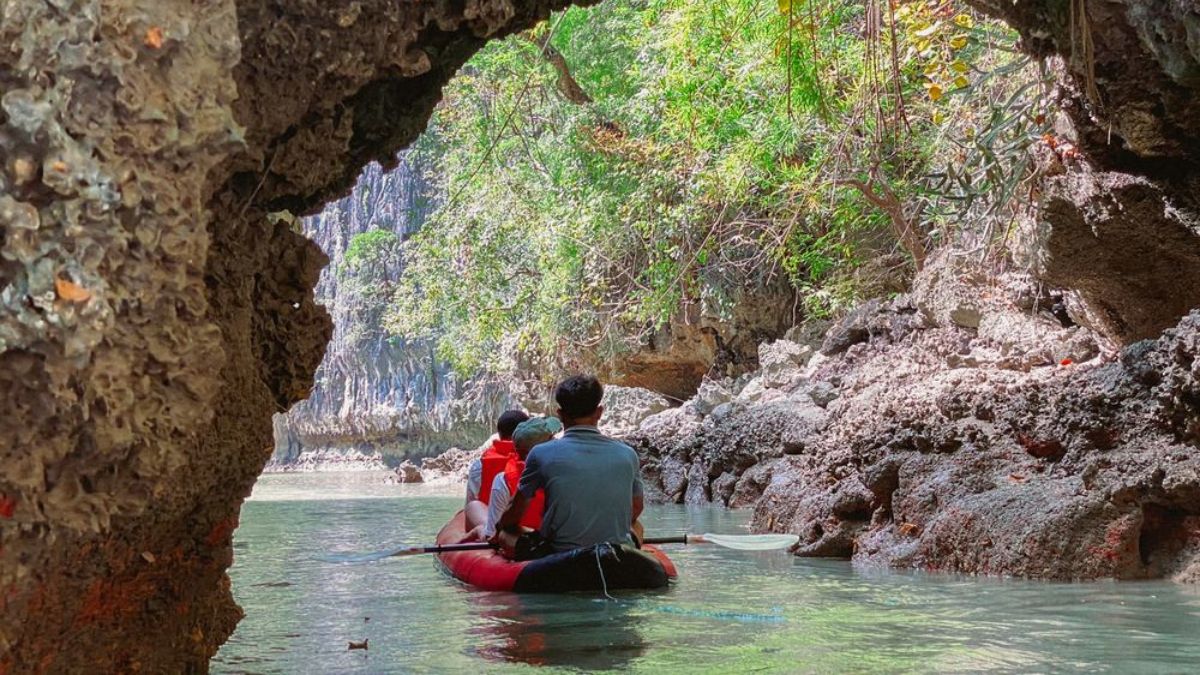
x: 533, y: 431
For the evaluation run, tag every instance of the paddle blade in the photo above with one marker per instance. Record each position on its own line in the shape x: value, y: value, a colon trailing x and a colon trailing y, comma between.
x: 403, y: 551
x: 366, y: 557
x: 752, y: 542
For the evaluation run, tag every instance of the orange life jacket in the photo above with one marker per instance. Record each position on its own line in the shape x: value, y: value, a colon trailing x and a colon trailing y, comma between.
x: 494, y: 460
x: 533, y: 512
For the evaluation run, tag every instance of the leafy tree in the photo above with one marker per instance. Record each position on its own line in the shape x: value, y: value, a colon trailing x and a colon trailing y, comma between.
x: 620, y: 167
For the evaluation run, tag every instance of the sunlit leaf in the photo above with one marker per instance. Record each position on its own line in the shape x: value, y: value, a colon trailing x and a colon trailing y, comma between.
x: 964, y: 20
x: 959, y: 67
x: 958, y: 41
x: 929, y: 31
x: 961, y: 81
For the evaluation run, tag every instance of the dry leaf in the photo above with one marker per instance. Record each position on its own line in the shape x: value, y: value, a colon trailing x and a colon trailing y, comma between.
x: 71, y: 291
x: 154, y: 37
x: 148, y: 556
x: 908, y: 529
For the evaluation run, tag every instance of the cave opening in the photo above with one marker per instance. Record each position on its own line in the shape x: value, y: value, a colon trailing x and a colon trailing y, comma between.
x: 158, y: 285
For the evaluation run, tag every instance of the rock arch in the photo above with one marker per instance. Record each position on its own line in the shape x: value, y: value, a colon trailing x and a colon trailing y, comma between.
x: 153, y: 318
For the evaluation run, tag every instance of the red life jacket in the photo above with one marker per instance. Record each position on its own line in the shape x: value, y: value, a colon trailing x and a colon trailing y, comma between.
x: 494, y: 460
x: 533, y: 512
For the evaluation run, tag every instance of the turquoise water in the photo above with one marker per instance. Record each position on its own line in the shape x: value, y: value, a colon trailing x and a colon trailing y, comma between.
x: 729, y: 611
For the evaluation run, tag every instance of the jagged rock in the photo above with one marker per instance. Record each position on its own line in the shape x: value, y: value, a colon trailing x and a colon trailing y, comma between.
x: 329, y: 459
x: 851, y: 329
x: 1015, y: 462
x: 811, y: 333
x: 873, y: 320
x: 1121, y: 224
x: 154, y: 316
x: 451, y: 466
x: 821, y: 393
x: 710, y: 395
x: 780, y: 362
x: 627, y: 407
x: 408, y: 472
x: 720, y: 335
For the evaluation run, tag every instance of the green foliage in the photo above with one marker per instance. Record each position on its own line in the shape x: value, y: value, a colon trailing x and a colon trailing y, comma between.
x: 728, y: 146
x: 369, y: 248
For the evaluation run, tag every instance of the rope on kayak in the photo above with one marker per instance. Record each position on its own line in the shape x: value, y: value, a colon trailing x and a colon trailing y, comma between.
x: 608, y: 549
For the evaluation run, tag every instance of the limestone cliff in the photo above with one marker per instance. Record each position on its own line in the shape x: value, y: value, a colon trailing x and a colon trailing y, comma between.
x: 375, y: 393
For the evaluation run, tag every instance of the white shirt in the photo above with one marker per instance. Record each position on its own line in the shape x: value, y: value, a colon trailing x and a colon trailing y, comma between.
x: 497, y: 504
x: 474, y: 478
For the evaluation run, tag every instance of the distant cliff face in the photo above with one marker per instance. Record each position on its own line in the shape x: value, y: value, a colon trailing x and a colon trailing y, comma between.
x: 374, y: 391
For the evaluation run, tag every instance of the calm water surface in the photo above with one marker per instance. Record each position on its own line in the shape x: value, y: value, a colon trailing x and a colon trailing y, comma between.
x: 729, y: 611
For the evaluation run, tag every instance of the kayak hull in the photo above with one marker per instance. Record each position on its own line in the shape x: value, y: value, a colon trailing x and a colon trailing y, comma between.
x: 592, y: 568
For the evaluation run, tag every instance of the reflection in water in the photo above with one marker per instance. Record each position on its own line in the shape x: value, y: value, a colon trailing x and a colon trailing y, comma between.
x: 566, y: 630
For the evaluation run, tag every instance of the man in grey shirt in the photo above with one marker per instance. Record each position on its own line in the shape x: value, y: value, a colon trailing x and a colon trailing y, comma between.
x: 592, y: 483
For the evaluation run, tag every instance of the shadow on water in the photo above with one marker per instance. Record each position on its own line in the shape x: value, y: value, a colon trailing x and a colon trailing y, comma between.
x: 575, y: 631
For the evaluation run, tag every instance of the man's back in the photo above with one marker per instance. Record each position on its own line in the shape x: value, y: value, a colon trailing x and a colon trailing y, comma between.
x: 590, y: 482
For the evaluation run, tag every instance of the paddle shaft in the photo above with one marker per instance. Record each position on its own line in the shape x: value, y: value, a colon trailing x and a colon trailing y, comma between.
x: 483, y: 545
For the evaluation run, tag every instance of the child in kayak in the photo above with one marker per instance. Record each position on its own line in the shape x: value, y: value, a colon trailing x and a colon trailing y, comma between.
x: 484, y: 469
x: 592, y: 483
x: 527, y: 435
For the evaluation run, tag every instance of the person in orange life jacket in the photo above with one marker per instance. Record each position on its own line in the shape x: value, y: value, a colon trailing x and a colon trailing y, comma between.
x: 527, y: 435
x: 592, y: 483
x: 483, y: 471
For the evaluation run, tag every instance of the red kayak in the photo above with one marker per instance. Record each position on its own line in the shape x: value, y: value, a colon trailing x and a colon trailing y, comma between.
x: 586, y: 569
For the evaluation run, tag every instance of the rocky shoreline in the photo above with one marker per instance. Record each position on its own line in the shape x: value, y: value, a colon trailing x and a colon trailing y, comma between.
x: 327, y: 460
x: 972, y: 426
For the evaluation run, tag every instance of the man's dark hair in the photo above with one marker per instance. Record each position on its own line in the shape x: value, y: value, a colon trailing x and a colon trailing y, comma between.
x: 508, y: 421
x: 579, y: 396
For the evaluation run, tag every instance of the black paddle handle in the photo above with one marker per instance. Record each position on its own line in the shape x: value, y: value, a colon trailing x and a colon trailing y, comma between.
x: 452, y: 548
x: 681, y: 539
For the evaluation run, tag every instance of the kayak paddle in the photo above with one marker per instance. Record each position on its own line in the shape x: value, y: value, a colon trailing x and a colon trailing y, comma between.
x: 737, y: 542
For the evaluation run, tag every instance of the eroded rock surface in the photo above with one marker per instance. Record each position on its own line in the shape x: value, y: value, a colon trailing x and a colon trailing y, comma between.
x: 1016, y: 446
x: 1123, y: 227
x: 154, y: 318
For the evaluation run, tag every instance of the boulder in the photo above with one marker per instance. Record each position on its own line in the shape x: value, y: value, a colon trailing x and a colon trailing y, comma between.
x: 780, y: 362
x: 408, y: 472
x: 625, y: 408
